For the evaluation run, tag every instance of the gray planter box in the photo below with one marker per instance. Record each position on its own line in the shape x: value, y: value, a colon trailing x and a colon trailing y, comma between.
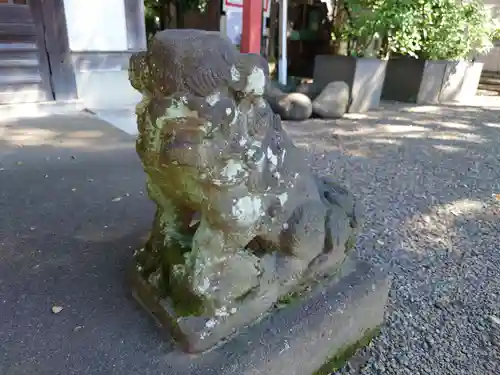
x: 430, y: 82
x: 364, y: 76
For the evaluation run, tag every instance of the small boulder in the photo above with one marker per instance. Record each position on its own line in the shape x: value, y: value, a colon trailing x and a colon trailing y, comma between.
x: 333, y: 100
x: 294, y: 106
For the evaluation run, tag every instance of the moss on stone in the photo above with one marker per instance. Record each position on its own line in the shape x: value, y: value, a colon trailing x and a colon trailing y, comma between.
x: 163, y: 259
x: 288, y: 298
x: 306, y: 287
x: 176, y: 286
x: 342, y: 355
x: 184, y: 302
x: 350, y: 243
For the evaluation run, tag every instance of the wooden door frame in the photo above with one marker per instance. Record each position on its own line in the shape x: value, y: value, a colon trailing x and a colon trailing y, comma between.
x: 42, y: 50
x: 52, y: 37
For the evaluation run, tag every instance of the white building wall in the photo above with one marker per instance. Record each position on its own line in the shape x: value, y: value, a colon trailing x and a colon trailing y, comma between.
x: 99, y: 45
x: 492, y: 59
x: 96, y: 25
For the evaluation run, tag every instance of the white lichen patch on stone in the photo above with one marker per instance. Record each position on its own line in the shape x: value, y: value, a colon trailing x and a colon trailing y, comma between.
x: 283, y: 197
x: 232, y: 169
x: 247, y: 210
x: 236, y: 116
x: 256, y: 82
x: 231, y: 173
x: 203, y: 288
x: 251, y: 152
x: 213, y: 99
x: 272, y: 158
x: 235, y: 74
x: 221, y: 312
x: 210, y: 323
x: 178, y: 109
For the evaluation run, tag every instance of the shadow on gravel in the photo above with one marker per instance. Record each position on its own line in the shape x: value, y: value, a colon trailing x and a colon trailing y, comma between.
x: 428, y: 177
x: 406, y: 162
x: 409, y: 150
x: 73, y: 210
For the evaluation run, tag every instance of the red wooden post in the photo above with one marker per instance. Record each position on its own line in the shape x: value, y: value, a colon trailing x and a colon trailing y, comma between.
x: 252, y: 26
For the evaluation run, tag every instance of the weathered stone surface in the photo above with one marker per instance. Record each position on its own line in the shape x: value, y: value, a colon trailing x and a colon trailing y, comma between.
x: 309, y: 336
x: 290, y: 106
x: 241, y: 219
x: 333, y: 100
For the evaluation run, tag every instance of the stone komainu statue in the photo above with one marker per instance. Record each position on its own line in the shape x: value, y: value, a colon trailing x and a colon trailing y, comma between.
x: 241, y: 219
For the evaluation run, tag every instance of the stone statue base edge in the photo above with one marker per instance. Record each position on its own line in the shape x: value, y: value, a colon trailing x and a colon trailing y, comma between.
x: 313, y: 334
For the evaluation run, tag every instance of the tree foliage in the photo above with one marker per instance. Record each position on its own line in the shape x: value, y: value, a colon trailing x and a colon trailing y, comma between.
x: 430, y: 29
x: 157, y: 12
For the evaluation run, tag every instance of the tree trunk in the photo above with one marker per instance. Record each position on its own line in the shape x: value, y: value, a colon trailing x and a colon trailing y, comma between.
x: 273, y: 29
x: 179, y: 13
x: 339, y: 17
x: 163, y: 14
x: 213, y: 12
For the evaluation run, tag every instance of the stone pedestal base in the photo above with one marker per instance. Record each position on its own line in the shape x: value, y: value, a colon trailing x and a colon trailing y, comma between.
x: 313, y: 334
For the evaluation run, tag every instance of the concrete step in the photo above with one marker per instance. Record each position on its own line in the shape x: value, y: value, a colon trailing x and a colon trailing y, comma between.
x: 486, y: 73
x: 19, y: 78
x: 490, y: 80
x: 42, y: 108
x: 23, y: 95
x: 18, y: 51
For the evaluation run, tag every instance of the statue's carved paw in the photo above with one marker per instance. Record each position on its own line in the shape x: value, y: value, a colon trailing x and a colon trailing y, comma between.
x: 304, y: 232
x: 229, y: 279
x: 338, y: 230
x: 332, y: 193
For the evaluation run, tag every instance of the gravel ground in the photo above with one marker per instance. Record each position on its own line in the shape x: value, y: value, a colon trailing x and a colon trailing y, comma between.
x: 428, y: 177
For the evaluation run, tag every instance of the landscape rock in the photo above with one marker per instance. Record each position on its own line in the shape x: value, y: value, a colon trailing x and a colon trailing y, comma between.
x: 333, y: 101
x: 294, y: 106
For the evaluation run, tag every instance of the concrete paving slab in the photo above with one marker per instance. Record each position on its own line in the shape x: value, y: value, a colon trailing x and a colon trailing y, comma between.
x: 73, y: 210
x: 38, y: 109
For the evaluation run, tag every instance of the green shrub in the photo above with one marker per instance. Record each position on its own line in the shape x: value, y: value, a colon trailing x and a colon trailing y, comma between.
x: 430, y: 29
